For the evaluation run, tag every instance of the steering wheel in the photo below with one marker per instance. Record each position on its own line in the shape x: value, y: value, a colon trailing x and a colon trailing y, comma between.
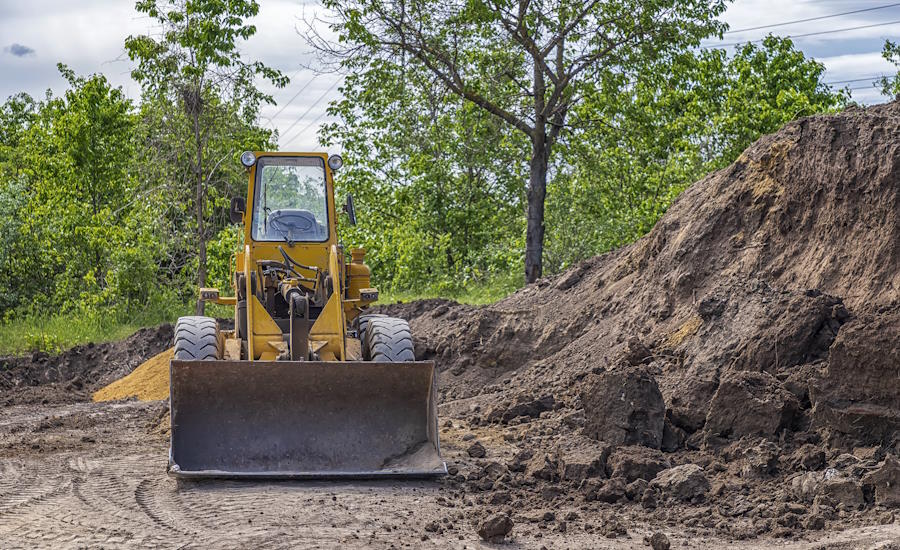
x: 289, y: 222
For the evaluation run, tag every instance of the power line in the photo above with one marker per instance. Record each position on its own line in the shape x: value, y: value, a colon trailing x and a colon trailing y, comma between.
x: 300, y: 91
x: 307, y: 127
x: 850, y: 81
x: 872, y: 87
x: 819, y: 18
x: 720, y: 46
x: 311, y: 107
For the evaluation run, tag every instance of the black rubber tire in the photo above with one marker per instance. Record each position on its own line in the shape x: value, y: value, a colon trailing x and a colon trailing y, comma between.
x: 388, y: 339
x: 362, y: 322
x: 196, y: 339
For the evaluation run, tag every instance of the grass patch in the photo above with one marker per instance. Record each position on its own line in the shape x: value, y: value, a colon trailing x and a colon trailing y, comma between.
x: 55, y: 333
x: 58, y: 332
x: 480, y: 293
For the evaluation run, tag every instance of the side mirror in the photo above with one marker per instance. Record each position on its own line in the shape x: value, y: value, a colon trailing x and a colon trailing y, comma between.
x: 350, y: 209
x: 238, y: 207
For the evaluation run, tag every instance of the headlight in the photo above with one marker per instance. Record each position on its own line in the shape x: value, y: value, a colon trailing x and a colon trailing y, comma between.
x: 335, y: 162
x: 248, y: 158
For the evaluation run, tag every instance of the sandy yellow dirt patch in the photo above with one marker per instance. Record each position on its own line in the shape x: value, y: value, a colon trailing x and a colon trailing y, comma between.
x: 148, y: 382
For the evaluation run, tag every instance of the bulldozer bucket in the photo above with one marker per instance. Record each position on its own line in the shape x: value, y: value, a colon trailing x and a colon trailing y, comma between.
x: 303, y: 419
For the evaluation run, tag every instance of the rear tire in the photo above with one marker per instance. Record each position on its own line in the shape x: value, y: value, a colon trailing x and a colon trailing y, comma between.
x: 197, y: 339
x: 387, y: 339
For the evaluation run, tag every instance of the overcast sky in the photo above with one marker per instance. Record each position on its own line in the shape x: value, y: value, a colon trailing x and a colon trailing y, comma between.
x: 88, y: 35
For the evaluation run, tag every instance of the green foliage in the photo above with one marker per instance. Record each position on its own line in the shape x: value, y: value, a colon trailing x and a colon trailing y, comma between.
x: 438, y: 202
x: 890, y: 86
x: 635, y: 145
x: 206, y: 102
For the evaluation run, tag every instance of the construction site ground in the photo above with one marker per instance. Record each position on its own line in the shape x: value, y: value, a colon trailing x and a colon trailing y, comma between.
x: 92, y: 475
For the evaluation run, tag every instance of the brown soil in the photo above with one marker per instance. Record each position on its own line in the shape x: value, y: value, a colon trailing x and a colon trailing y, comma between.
x: 76, y: 373
x: 731, y: 379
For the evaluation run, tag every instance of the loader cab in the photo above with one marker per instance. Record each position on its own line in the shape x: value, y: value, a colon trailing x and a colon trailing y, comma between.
x: 290, y: 204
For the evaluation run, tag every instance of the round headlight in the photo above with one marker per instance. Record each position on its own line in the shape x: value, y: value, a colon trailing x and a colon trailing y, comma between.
x: 248, y: 158
x: 335, y: 162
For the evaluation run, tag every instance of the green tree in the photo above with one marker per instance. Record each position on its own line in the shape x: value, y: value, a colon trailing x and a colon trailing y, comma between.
x: 522, y: 62
x: 890, y: 86
x: 68, y: 175
x: 195, y: 63
x: 439, y: 203
x: 635, y: 145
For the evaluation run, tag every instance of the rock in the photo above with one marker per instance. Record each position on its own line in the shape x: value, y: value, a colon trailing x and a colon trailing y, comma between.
x: 806, y: 486
x: 495, y: 528
x: 524, y: 407
x: 543, y: 466
x: 612, y: 528
x: 612, y: 490
x: 673, y: 437
x: 635, y: 352
x: 659, y: 541
x: 844, y: 491
x: 851, y: 402
x: 635, y: 462
x: 635, y: 490
x: 809, y: 458
x: 501, y: 497
x: 583, y: 463
x: 750, y: 403
x: 685, y: 482
x: 886, y: 481
x: 476, y: 450
x: 649, y: 500
x: 623, y: 407
x: 814, y: 523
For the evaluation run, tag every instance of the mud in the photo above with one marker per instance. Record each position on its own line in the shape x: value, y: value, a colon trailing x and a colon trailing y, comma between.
x: 751, y: 340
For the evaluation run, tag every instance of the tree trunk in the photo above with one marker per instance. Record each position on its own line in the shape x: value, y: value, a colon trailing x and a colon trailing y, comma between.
x: 201, y: 229
x: 537, y: 191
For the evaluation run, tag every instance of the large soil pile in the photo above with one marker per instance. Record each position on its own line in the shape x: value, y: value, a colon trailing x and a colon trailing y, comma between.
x: 755, y: 332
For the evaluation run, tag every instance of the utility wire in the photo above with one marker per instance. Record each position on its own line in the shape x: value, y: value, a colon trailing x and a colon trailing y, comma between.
x: 819, y: 18
x: 870, y: 78
x: 300, y: 91
x: 308, y: 126
x: 720, y: 46
x: 311, y: 107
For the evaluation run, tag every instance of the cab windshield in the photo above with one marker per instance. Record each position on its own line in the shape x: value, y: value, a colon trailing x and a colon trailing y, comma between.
x: 291, y: 202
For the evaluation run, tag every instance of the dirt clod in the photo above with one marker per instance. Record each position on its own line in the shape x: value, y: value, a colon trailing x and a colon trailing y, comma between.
x: 495, y: 528
x: 476, y: 450
x: 659, y: 541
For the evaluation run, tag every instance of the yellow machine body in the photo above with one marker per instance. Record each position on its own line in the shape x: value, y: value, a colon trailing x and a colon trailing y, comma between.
x: 296, y: 397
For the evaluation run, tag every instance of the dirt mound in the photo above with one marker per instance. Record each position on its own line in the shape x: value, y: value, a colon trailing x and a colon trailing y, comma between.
x: 764, y: 306
x: 148, y: 382
x: 76, y: 373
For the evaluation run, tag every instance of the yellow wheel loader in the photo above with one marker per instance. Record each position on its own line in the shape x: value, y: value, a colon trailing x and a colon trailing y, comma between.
x: 306, y: 384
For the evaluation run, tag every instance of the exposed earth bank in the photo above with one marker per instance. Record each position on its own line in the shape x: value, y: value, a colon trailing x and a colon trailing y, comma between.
x: 732, y: 376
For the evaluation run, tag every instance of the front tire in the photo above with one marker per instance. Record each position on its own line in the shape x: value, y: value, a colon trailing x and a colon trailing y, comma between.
x: 197, y: 339
x: 387, y: 339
